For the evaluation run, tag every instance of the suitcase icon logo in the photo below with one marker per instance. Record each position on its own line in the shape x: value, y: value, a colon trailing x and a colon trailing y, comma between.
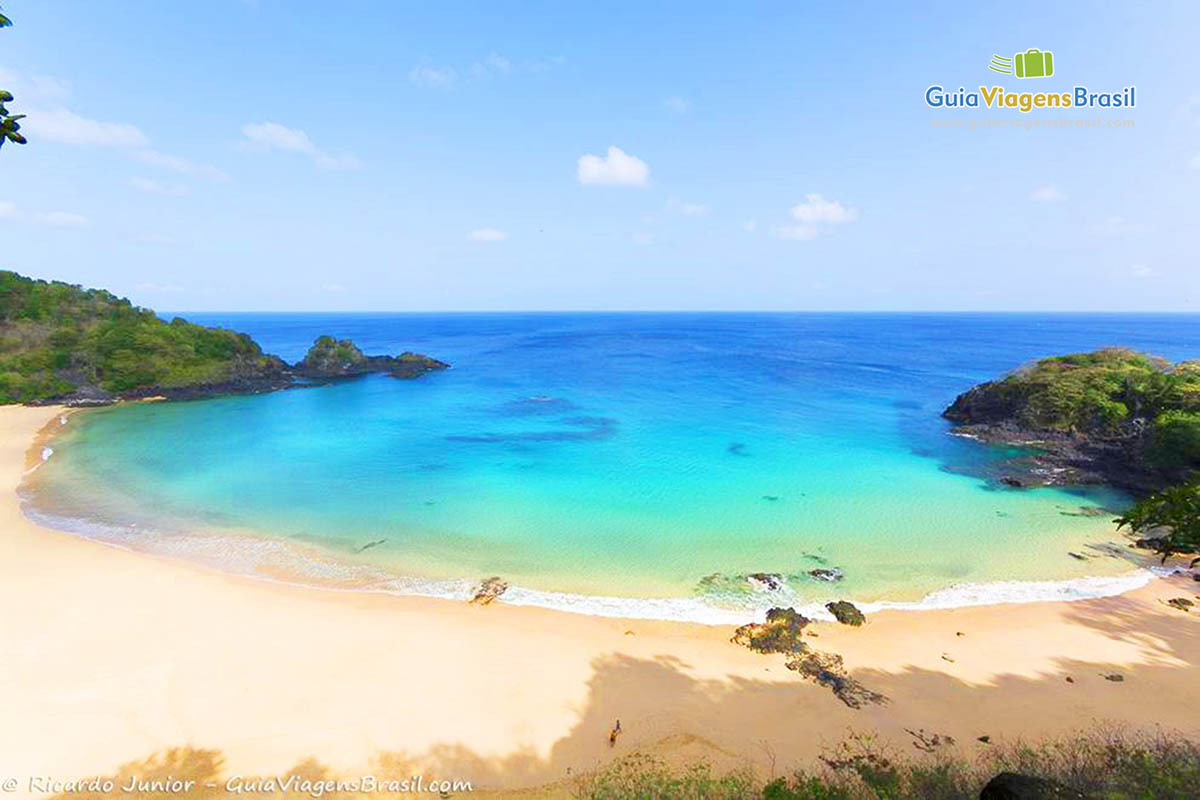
x: 1033, y: 63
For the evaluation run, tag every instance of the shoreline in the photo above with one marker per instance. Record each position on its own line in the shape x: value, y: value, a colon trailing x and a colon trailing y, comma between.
x: 285, y: 561
x: 110, y: 655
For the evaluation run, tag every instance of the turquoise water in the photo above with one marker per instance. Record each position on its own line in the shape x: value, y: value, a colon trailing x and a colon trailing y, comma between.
x: 623, y: 456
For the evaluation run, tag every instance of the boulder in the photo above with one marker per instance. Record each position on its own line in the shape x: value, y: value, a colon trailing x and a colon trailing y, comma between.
x: 781, y: 633
x: 846, y: 613
x: 771, y: 581
x: 829, y: 575
x: 1011, y: 786
x: 489, y: 590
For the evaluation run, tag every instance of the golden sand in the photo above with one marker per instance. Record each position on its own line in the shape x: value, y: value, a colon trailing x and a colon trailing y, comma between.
x: 109, y: 656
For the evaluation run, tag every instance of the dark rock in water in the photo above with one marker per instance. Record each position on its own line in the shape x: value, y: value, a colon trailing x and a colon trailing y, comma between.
x: 779, y: 634
x: 331, y: 358
x: 1078, y: 556
x: 828, y: 575
x: 1011, y: 786
x: 816, y: 558
x: 770, y: 580
x: 1087, y: 511
x: 489, y: 590
x: 771, y: 497
x: 1016, y: 483
x: 737, y: 449
x: 846, y: 613
x: 1182, y: 603
x: 827, y: 669
x: 369, y: 545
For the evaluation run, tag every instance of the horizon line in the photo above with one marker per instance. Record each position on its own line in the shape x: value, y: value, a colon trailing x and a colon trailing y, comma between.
x: 676, y: 311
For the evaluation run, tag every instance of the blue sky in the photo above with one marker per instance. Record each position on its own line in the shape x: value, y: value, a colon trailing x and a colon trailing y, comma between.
x: 371, y: 155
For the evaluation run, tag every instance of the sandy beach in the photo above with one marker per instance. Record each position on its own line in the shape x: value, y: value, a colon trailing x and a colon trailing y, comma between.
x: 108, y: 657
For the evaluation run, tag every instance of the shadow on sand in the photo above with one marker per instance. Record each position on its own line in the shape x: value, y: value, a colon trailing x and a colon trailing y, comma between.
x: 792, y: 720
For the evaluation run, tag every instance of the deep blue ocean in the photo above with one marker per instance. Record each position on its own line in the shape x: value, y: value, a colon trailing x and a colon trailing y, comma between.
x: 619, y: 463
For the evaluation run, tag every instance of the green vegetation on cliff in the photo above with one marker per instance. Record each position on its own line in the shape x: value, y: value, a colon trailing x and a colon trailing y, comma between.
x: 60, y: 340
x: 1115, y: 393
x: 330, y: 356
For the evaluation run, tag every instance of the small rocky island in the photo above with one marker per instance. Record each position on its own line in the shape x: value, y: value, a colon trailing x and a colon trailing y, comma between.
x: 330, y: 358
x: 1113, y: 416
x: 61, y: 343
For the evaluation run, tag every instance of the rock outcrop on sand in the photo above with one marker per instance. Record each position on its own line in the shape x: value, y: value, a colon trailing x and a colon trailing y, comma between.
x: 489, y: 590
x: 846, y: 613
x: 783, y: 633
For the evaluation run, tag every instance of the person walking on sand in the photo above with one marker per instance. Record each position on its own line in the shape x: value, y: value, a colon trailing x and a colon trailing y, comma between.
x: 613, y: 734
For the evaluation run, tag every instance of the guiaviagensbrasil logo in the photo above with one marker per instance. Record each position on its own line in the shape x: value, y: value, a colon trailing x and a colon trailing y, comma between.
x: 1033, y: 63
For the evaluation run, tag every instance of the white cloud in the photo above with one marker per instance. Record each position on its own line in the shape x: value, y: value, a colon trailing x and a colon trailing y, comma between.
x: 693, y: 209
x: 61, y: 125
x: 812, y: 216
x: 432, y: 77
x: 183, y: 166
x: 1119, y: 226
x: 61, y: 219
x: 1142, y: 271
x: 618, y: 168
x: 150, y: 186
x: 817, y: 210
x: 643, y: 238
x: 801, y: 233
x: 332, y: 287
x: 34, y: 89
x: 487, y: 235
x: 273, y: 136
x: 50, y: 219
x: 750, y: 225
x: 678, y: 105
x: 494, y: 64
x: 1195, y: 162
x: 436, y: 76
x: 1047, y: 194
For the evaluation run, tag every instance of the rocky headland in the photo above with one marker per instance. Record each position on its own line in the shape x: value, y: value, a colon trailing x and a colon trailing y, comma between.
x: 61, y: 343
x: 1114, y: 417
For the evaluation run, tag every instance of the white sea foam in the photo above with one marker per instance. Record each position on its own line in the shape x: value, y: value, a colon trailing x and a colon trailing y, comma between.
x: 282, y: 561
x: 46, y: 453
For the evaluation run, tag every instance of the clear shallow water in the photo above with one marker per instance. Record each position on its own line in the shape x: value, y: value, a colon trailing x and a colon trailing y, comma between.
x: 634, y: 456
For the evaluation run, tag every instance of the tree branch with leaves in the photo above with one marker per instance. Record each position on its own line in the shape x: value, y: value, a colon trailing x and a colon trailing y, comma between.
x: 10, y: 125
x: 1172, y: 516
